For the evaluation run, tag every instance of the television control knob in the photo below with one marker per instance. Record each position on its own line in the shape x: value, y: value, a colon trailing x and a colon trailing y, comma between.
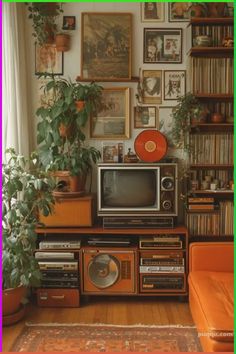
x: 167, y: 183
x: 166, y: 204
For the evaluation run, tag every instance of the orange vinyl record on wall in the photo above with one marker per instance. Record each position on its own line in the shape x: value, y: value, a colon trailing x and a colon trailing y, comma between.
x: 150, y: 145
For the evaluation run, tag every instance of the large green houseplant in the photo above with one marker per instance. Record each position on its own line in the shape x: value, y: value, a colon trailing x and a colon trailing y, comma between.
x: 188, y: 111
x: 26, y: 191
x: 60, y: 131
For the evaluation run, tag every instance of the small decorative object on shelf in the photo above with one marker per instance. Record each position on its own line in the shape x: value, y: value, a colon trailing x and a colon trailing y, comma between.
x: 228, y: 42
x: 217, y: 118
x: 131, y: 157
x: 203, y: 41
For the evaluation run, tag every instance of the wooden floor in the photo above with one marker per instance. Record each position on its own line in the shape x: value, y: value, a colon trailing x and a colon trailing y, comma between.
x: 110, y: 310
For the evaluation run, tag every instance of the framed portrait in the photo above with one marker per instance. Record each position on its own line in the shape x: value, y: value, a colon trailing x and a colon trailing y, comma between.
x: 174, y: 84
x: 179, y: 11
x: 152, y: 12
x: 106, y: 46
x: 112, y: 152
x: 68, y: 23
x: 152, y: 86
x: 162, y: 45
x: 113, y: 121
x: 48, y: 60
x: 145, y: 117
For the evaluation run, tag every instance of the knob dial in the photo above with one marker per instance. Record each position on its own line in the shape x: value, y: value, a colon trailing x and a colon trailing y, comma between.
x: 167, y: 204
x: 167, y: 183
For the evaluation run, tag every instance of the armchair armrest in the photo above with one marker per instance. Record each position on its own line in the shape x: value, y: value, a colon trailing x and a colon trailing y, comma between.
x: 211, y: 256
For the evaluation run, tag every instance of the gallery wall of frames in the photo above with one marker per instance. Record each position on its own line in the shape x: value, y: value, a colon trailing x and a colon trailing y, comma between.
x: 144, y: 41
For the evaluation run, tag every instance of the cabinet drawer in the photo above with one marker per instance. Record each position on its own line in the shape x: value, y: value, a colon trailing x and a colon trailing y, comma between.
x: 58, y: 297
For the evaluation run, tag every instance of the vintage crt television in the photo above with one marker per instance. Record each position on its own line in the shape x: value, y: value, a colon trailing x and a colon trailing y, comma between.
x: 137, y: 189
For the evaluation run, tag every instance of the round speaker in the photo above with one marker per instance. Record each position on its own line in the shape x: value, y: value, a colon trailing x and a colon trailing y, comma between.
x: 167, y: 204
x: 103, y: 270
x: 167, y: 183
x: 150, y: 145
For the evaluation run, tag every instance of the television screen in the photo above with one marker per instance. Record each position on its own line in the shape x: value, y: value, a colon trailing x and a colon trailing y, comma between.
x: 129, y: 188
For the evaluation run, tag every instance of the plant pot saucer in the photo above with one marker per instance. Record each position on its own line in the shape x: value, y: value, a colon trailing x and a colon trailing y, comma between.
x: 58, y: 194
x: 15, y: 317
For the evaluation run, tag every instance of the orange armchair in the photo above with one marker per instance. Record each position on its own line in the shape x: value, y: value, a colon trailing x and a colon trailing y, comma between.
x: 211, y: 303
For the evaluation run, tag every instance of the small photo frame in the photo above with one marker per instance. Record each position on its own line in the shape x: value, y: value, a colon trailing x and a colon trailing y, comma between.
x: 179, y: 11
x: 174, y: 84
x: 145, y: 117
x: 166, y: 123
x: 112, y: 152
x: 113, y: 121
x: 68, y: 23
x: 48, y: 60
x: 152, y: 86
x: 162, y: 45
x: 152, y: 12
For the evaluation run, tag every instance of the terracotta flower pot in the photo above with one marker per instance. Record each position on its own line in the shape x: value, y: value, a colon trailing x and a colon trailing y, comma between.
x: 11, y: 299
x: 77, y: 183
x: 197, y: 11
x: 217, y: 118
x: 80, y: 105
x: 63, y: 42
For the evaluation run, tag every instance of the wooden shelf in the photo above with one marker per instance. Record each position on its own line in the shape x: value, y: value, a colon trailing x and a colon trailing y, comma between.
x: 201, y: 211
x: 202, y: 21
x: 212, y: 52
x: 213, y: 193
x: 214, y: 96
x: 133, y: 79
x: 212, y: 167
x: 212, y: 127
x: 213, y: 238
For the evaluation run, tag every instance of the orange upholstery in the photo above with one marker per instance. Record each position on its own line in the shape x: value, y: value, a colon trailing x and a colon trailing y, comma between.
x: 211, y: 294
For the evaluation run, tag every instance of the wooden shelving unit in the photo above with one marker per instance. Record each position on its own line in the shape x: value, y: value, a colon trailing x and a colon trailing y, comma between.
x: 214, y: 221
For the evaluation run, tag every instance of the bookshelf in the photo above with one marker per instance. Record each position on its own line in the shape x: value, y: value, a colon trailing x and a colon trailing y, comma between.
x: 209, y: 214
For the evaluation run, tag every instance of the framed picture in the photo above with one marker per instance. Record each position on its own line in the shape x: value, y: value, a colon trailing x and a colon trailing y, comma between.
x: 113, y: 121
x: 152, y: 86
x: 179, y: 11
x: 106, y: 46
x: 145, y: 117
x: 68, y: 23
x: 174, y: 84
x: 166, y: 123
x: 152, y: 12
x: 162, y: 45
x: 112, y: 152
x: 48, y: 60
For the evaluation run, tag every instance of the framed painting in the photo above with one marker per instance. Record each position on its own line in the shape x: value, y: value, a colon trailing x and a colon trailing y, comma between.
x: 152, y: 12
x: 112, y: 152
x: 152, y: 86
x: 68, y: 23
x: 48, y: 60
x: 145, y: 117
x: 113, y: 121
x: 174, y: 84
x: 162, y: 45
x: 106, y: 46
x: 179, y: 11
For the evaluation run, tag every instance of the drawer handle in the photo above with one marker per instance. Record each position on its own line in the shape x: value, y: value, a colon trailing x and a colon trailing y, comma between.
x: 58, y: 297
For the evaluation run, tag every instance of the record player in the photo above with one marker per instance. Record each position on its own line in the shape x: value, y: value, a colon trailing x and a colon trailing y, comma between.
x: 109, y: 271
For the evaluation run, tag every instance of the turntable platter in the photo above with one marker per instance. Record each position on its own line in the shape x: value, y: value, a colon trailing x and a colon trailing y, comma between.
x: 103, y: 270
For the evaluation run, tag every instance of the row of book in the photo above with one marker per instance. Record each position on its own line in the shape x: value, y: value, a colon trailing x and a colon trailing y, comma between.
x: 217, y: 33
x: 218, y: 223
x: 214, y: 148
x: 224, y: 176
x: 212, y: 75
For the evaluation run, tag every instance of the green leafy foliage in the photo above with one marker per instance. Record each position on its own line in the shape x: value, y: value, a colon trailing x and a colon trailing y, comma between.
x: 68, y: 152
x: 26, y: 191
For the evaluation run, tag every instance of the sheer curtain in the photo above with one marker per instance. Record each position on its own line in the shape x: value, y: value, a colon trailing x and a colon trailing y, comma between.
x: 15, y: 117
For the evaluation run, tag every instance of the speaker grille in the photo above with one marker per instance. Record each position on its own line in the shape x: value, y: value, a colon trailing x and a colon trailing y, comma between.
x: 125, y: 270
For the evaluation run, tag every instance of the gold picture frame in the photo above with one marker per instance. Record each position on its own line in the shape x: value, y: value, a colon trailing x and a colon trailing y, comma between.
x: 106, y: 46
x: 113, y: 121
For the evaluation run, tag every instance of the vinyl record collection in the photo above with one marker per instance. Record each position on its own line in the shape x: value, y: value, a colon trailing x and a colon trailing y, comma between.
x: 211, y: 148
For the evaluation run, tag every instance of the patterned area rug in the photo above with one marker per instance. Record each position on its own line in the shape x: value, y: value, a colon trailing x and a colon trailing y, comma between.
x: 106, y: 338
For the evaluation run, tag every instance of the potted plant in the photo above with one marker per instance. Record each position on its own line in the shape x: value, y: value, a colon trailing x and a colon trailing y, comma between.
x: 188, y: 111
x: 26, y: 191
x: 44, y: 15
x: 60, y: 137
x: 198, y: 9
